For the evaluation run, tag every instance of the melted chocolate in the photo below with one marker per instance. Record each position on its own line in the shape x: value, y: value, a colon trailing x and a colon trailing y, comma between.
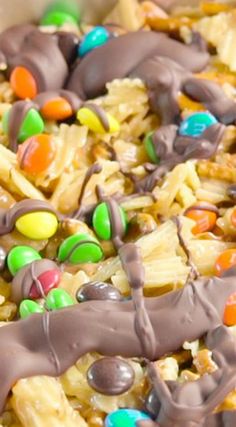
x: 120, y: 56
x: 8, y: 217
x: 12, y: 39
x: 179, y: 316
x: 68, y: 45
x: 83, y: 211
x: 176, y: 149
x: 98, y: 291
x: 41, y: 55
x: 27, y: 276
x: 111, y: 376
x: 17, y: 115
x: 194, y: 271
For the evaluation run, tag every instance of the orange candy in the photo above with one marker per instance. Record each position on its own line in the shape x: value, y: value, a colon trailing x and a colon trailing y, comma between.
x: 36, y: 154
x: 225, y: 260
x: 230, y: 311
x: 23, y: 83
x: 233, y: 218
x: 57, y: 109
x: 205, y: 220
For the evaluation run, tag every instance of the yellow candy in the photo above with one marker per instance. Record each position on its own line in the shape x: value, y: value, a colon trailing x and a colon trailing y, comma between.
x: 37, y: 225
x: 88, y: 118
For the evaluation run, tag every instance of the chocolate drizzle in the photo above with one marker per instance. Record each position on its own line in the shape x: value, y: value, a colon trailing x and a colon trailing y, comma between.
x: 174, y: 149
x: 70, y: 97
x: 8, y: 217
x: 120, y: 57
x: 100, y: 113
x: 132, y: 264
x: 27, y: 276
x: 194, y: 274
x: 176, y: 317
x: 17, y: 115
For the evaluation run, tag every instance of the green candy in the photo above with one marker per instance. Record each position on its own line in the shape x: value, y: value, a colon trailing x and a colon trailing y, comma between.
x: 73, y: 249
x: 20, y: 256
x: 33, y: 124
x: 102, y: 223
x: 57, y: 299
x: 149, y: 147
x: 58, y: 19
x: 28, y: 307
x: 70, y: 7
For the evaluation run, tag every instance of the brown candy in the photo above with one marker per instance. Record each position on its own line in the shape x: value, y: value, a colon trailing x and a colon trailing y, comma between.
x: 110, y: 376
x: 98, y: 291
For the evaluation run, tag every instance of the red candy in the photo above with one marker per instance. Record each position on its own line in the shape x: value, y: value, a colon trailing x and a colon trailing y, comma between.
x: 49, y: 280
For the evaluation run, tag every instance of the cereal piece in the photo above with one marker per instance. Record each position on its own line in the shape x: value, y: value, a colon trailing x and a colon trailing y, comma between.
x: 41, y: 399
x: 214, y: 170
x: 204, y: 363
x: 220, y: 31
x: 168, y: 369
x: 213, y: 8
x: 225, y: 223
x: 141, y: 224
x: 187, y: 375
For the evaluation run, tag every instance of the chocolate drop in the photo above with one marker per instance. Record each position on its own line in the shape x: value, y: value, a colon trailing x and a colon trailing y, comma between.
x: 98, y: 291
x: 111, y: 376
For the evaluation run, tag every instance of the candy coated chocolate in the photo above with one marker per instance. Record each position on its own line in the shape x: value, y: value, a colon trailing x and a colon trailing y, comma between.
x: 111, y: 376
x: 98, y: 291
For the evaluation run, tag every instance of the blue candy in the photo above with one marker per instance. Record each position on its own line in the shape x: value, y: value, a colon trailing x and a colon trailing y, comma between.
x: 196, y: 124
x: 95, y: 38
x: 125, y: 418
